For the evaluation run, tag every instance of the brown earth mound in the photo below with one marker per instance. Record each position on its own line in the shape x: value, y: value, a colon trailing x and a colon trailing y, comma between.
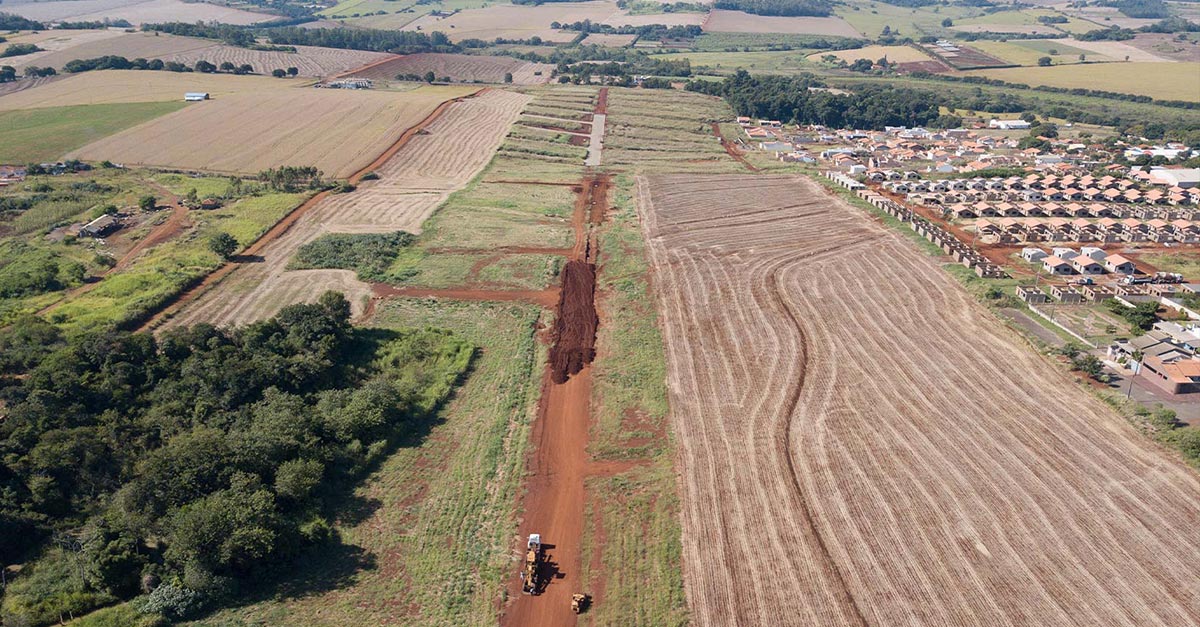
x: 575, y: 326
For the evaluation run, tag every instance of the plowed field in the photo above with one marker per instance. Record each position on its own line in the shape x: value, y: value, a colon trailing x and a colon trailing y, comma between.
x: 338, y: 131
x: 442, y: 158
x: 860, y: 442
x: 461, y: 67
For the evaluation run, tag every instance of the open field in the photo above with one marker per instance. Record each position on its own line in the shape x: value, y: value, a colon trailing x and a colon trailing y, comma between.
x: 516, y: 21
x: 869, y: 18
x: 1119, y: 50
x: 420, y: 176
x: 1162, y: 45
x: 114, y: 86
x: 610, y: 41
x: 39, y: 135
x: 860, y: 439
x: 894, y: 54
x: 309, y: 60
x: 645, y: 132
x: 721, y: 21
x: 136, y: 11
x: 338, y: 131
x: 1028, y: 52
x: 429, y: 543
x: 461, y: 68
x: 1167, y: 81
x: 770, y: 61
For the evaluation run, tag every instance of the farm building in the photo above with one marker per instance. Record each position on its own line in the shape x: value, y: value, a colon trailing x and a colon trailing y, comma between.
x: 195, y: 96
x: 100, y: 227
x: 1009, y: 125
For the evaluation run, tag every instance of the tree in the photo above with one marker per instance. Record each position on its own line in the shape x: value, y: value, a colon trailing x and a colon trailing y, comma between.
x: 430, y: 76
x: 1082, y: 57
x: 1088, y: 364
x: 148, y: 203
x: 205, y: 67
x: 244, y: 68
x: 228, y: 66
x: 947, y: 23
x: 508, y: 77
x: 1044, y: 61
x: 223, y: 244
x: 292, y: 71
x: 278, y: 73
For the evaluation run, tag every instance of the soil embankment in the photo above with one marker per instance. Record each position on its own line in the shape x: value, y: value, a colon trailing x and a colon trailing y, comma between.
x: 575, y: 326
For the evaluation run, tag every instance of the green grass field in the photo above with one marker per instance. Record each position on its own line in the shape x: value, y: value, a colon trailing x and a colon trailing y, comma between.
x: 869, y: 17
x: 1027, y: 52
x: 38, y: 135
x: 1168, y: 81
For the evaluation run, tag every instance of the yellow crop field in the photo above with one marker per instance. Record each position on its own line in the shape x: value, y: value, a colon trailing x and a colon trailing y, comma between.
x: 1167, y: 81
x: 338, y: 131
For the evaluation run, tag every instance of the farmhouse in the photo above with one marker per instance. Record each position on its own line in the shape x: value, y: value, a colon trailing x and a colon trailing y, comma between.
x: 195, y: 96
x: 100, y: 227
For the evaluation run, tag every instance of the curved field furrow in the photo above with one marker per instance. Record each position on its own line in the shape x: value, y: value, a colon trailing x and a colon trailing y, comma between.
x: 464, y: 68
x: 862, y: 443
x: 441, y: 159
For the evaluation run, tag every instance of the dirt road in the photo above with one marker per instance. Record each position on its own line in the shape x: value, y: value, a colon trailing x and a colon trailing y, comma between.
x: 860, y: 442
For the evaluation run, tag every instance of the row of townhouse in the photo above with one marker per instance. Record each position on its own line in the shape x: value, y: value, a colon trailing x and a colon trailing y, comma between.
x: 1014, y: 230
x: 951, y: 245
x: 946, y: 192
x: 1003, y: 209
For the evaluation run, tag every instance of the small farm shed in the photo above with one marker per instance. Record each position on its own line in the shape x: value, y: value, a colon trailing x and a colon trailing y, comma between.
x: 100, y: 227
x: 195, y: 96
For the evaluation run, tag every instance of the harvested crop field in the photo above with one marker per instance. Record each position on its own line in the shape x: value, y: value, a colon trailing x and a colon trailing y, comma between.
x: 515, y: 21
x: 722, y: 21
x: 115, y: 86
x: 309, y: 60
x: 460, y: 68
x: 860, y: 442
x: 608, y: 41
x: 1167, y: 81
x: 136, y: 11
x: 1119, y: 50
x: 666, y: 19
x: 336, y: 130
x: 443, y: 158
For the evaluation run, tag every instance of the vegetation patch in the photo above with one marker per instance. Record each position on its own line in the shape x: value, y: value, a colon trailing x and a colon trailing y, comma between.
x: 368, y: 254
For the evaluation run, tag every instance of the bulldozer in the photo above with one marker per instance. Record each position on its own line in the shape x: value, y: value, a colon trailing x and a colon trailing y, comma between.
x: 580, y: 602
x: 533, y: 561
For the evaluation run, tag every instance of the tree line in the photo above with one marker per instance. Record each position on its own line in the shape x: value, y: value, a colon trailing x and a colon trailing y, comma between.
x: 178, y: 468
x: 786, y: 8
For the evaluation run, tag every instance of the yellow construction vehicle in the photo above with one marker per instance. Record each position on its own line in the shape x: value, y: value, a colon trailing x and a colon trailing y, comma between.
x: 530, y: 583
x: 580, y: 602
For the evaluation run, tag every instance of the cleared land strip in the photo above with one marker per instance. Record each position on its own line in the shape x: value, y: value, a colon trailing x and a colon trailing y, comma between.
x: 861, y: 443
x: 446, y: 155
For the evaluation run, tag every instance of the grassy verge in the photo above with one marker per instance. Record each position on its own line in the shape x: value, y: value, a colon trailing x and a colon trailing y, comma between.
x: 632, y: 531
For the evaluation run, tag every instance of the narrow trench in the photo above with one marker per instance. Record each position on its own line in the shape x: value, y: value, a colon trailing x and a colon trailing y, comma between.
x: 574, y: 334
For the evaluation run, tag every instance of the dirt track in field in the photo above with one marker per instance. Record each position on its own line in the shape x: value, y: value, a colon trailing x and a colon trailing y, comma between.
x: 437, y: 157
x: 861, y: 443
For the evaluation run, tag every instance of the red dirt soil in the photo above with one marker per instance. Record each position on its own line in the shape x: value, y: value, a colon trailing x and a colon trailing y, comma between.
x: 575, y: 325
x: 732, y: 149
x: 290, y: 219
x: 602, y: 102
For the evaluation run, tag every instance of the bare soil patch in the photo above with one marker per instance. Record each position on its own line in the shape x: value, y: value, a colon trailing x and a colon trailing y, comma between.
x: 860, y: 442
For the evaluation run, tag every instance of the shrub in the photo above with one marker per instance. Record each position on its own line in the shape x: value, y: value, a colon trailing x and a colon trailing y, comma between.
x: 171, y: 601
x: 368, y: 254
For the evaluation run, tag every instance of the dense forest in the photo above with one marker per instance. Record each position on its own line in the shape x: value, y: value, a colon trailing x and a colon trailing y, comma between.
x: 175, y: 469
x: 788, y: 8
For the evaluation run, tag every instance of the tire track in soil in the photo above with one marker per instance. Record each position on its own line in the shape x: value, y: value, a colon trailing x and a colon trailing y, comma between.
x: 281, y: 227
